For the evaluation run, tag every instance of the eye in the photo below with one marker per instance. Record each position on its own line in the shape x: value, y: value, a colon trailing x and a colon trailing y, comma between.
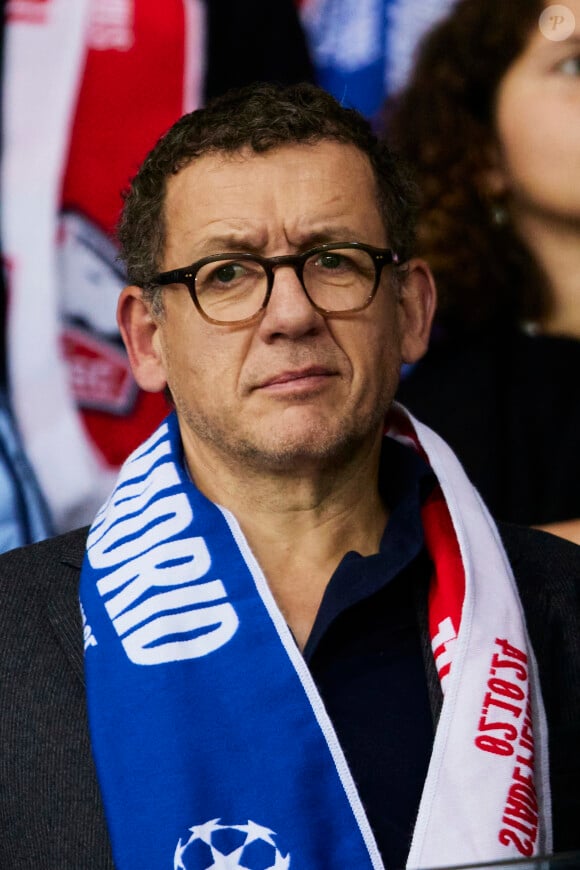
x: 570, y: 66
x: 227, y: 272
x: 229, y: 276
x: 331, y: 260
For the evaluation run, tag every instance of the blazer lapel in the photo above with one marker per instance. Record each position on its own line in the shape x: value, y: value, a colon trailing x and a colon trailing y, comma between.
x: 63, y: 602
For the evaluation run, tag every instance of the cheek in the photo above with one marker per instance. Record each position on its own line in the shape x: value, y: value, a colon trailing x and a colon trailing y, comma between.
x: 182, y: 365
x: 513, y: 131
x: 375, y: 357
x: 516, y: 120
x: 203, y: 367
x: 543, y: 171
x: 523, y: 152
x: 534, y: 133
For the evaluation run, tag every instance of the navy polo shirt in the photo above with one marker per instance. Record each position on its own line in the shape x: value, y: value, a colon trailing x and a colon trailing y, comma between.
x: 365, y: 655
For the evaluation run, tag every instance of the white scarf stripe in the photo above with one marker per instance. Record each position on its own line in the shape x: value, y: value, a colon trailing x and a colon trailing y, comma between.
x: 466, y: 829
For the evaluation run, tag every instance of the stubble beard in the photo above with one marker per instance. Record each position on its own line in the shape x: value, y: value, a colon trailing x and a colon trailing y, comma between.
x: 322, y: 446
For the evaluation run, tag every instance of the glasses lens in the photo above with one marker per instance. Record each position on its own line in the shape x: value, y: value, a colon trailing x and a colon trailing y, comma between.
x: 340, y: 279
x: 229, y: 290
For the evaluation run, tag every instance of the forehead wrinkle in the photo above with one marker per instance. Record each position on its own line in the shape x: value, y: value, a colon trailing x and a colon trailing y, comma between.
x: 216, y: 236
x: 237, y: 235
x: 331, y: 222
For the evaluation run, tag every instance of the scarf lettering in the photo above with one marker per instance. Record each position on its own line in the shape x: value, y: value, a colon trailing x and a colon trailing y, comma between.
x: 151, y: 587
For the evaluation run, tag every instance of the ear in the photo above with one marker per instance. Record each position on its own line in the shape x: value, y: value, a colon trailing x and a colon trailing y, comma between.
x: 140, y: 332
x: 417, y: 301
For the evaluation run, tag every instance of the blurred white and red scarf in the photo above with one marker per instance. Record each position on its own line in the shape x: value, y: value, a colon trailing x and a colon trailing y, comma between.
x: 89, y: 86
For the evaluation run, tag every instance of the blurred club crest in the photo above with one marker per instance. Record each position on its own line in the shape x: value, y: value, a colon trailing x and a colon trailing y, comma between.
x: 90, y: 280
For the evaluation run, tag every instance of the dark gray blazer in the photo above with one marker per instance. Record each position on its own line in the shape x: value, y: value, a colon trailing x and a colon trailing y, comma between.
x: 51, y: 816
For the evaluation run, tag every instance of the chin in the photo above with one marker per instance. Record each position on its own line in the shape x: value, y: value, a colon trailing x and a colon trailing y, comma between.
x: 319, y: 445
x: 284, y: 443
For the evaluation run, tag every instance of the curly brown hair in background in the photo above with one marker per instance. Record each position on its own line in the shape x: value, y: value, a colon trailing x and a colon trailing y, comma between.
x: 443, y: 123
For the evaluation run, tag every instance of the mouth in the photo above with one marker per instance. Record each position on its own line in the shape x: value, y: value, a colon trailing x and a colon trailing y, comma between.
x: 303, y: 379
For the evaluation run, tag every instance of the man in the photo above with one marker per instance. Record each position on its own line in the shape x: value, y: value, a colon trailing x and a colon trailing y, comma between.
x: 303, y: 642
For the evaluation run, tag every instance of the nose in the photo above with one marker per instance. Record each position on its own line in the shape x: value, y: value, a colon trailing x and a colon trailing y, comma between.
x: 289, y: 312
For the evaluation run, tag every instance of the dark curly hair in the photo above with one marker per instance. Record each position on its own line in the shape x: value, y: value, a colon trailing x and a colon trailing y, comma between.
x: 260, y: 117
x: 443, y: 124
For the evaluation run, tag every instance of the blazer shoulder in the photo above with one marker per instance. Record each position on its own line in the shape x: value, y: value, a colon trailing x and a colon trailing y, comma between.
x: 34, y: 561
x: 542, y: 558
x: 32, y: 577
x: 547, y: 574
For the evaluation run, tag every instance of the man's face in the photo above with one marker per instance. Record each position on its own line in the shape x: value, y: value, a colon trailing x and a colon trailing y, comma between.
x: 293, y: 387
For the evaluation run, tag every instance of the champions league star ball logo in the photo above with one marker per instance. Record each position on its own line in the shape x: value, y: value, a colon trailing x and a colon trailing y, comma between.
x: 213, y: 846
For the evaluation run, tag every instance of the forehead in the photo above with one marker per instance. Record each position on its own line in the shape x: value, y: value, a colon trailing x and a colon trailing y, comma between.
x: 289, y: 194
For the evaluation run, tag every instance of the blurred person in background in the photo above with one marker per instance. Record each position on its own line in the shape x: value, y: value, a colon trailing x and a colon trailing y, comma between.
x: 23, y: 513
x: 490, y: 120
x: 362, y: 49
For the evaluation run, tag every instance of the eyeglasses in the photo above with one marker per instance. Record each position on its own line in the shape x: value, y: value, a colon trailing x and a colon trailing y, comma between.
x: 338, y: 279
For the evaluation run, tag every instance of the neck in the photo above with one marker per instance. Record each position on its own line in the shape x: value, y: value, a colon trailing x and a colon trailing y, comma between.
x: 299, y: 525
x: 556, y: 247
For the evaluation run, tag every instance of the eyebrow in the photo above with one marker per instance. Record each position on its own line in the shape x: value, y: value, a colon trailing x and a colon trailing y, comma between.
x: 230, y: 241
x: 324, y: 234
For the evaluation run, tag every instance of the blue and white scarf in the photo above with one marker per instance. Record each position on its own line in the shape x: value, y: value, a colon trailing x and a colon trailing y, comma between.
x: 212, y: 745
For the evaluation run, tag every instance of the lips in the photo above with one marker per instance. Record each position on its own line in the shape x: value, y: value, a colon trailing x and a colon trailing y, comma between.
x: 287, y: 377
